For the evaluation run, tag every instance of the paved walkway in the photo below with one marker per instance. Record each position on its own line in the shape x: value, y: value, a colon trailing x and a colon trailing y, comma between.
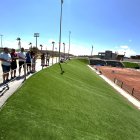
x: 17, y: 83
x: 129, y: 97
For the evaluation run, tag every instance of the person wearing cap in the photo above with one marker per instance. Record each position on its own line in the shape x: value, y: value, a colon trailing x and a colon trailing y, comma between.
x: 5, y: 57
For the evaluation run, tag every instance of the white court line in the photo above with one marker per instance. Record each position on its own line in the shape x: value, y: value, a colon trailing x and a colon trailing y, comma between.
x: 129, y: 97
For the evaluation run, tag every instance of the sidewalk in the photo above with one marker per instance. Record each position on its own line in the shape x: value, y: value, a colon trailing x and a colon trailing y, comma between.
x: 129, y: 97
x: 17, y: 83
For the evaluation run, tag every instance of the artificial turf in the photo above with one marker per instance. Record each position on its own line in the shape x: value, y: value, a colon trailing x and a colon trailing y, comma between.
x: 77, y: 105
x: 131, y: 65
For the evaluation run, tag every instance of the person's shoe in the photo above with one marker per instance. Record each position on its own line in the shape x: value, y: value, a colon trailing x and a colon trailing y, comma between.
x: 28, y: 73
x: 12, y: 78
x: 7, y: 80
x: 4, y: 82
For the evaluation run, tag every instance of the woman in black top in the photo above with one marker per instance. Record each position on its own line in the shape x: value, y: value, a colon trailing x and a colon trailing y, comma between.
x: 13, y: 63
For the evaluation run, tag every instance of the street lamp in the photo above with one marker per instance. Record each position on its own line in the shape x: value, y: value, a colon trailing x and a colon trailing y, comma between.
x: 36, y: 35
x: 91, y: 50
x: 60, y: 37
x: 69, y: 44
x: 52, y: 51
x: 124, y: 55
x: 64, y: 50
x: 56, y: 54
x: 60, y: 29
x: 19, y: 43
x: 1, y: 40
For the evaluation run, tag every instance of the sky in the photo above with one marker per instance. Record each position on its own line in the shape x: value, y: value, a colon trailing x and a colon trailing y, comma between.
x: 104, y: 24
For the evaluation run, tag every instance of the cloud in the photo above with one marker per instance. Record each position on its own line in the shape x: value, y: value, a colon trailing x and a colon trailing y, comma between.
x: 82, y: 49
x: 125, y: 49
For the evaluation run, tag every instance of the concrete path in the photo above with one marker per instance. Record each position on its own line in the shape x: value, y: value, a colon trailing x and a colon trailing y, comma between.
x: 129, y: 97
x: 14, y: 85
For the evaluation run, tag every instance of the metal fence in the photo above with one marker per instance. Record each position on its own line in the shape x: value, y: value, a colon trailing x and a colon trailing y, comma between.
x: 127, y: 88
x: 24, y: 71
x: 36, y: 66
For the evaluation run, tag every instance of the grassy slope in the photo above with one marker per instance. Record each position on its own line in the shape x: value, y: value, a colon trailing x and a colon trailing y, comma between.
x: 75, y: 106
x: 130, y: 65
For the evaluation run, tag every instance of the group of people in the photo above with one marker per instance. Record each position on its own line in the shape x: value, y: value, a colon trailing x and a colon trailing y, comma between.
x: 9, y: 62
x: 45, y: 58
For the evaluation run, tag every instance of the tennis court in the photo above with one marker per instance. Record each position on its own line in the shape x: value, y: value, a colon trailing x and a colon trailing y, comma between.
x: 128, y: 79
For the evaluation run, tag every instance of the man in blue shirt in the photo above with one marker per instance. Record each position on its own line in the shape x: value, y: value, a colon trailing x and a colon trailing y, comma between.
x: 28, y: 62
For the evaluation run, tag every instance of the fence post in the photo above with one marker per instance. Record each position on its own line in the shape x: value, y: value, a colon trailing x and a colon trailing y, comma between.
x: 122, y: 85
x: 115, y: 80
x: 132, y: 91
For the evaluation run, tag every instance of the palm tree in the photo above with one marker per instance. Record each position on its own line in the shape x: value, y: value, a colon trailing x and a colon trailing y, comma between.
x: 41, y: 46
x: 30, y: 45
x: 52, y: 51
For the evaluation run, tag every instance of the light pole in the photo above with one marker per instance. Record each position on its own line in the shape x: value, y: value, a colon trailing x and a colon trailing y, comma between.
x: 1, y: 40
x: 52, y: 51
x: 92, y: 50
x: 60, y: 37
x: 124, y: 55
x: 19, y: 43
x: 64, y: 50
x: 36, y: 35
x: 60, y: 28
x: 56, y: 54
x: 69, y: 43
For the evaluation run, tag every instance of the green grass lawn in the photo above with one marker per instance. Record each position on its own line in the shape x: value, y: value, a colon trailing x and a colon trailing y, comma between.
x: 131, y: 65
x: 77, y: 105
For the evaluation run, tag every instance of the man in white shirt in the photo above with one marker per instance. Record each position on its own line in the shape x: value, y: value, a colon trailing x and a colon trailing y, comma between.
x: 5, y: 57
x: 22, y: 59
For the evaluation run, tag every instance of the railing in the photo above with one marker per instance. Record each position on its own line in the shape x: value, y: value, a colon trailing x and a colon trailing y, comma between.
x: 127, y: 88
x: 38, y: 65
x: 24, y: 72
x: 130, y: 90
